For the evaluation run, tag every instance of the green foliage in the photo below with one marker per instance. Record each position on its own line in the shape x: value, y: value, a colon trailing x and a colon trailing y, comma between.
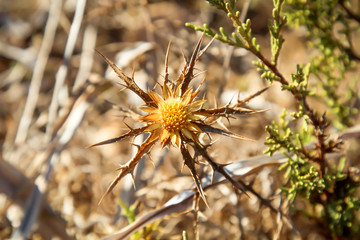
x: 130, y: 213
x: 240, y: 37
x: 302, y: 135
x: 329, y: 31
x: 276, y: 39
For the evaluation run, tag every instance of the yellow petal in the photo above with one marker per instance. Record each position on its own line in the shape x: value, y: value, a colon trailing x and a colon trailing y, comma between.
x: 193, y: 127
x: 194, y: 94
x: 154, y: 117
x: 195, y: 105
x: 152, y: 127
x: 177, y: 91
x: 175, y: 138
x: 195, y: 117
x: 164, y: 135
x: 167, y: 92
x: 187, y: 133
x: 156, y: 97
x: 148, y: 109
x: 186, y: 98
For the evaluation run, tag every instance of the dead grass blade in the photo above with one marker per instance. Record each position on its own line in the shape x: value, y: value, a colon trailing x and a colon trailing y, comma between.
x: 42, y: 58
x: 63, y: 69
x: 50, y: 158
x: 17, y: 187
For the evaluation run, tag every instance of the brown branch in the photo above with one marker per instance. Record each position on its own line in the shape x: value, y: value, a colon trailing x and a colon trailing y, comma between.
x: 349, y: 12
x: 220, y: 168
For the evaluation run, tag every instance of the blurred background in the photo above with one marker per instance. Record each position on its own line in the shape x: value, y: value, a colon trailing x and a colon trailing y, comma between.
x: 57, y: 96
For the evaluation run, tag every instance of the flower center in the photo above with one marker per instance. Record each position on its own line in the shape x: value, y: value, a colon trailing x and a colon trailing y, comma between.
x: 173, y: 115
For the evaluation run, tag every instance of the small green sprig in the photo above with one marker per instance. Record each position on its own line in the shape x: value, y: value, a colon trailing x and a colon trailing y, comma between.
x: 329, y: 28
x: 241, y: 37
x: 276, y: 39
x: 282, y: 137
x: 130, y: 213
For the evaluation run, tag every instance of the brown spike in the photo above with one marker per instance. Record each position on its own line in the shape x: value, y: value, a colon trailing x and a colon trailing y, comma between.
x: 130, y: 166
x: 210, y: 129
x: 189, y: 162
x: 133, y: 178
x: 131, y: 133
x: 204, y: 49
x: 246, y: 100
x: 130, y: 83
x: 220, y: 169
x: 166, y: 77
x: 190, y: 66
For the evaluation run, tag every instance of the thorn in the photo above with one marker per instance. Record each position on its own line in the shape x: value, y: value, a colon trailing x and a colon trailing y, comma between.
x: 198, y: 74
x: 205, y: 48
x: 238, y: 97
x: 222, y: 124
x: 166, y: 77
x: 215, y: 101
x: 229, y: 102
x: 133, y: 73
x: 227, y: 116
x: 102, y: 198
x: 133, y: 178
x: 130, y: 128
x: 200, y: 85
x: 212, y: 175
x: 204, y: 199
x: 224, y: 164
x: 150, y: 158
x: 135, y: 145
x: 120, y: 168
x: 185, y: 59
x: 124, y: 87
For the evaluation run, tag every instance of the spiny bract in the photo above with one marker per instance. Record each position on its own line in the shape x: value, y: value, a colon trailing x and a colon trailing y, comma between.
x: 177, y: 118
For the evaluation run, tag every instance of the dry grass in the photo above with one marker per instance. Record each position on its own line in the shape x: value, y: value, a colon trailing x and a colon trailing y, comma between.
x: 57, y: 98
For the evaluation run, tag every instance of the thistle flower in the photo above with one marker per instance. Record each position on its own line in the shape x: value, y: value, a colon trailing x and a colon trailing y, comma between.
x: 177, y: 118
x: 174, y: 116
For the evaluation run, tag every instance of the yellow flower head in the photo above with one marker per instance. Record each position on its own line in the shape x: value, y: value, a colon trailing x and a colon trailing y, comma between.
x: 173, y: 117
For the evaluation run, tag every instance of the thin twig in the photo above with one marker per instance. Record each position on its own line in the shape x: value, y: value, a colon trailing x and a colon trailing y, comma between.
x: 62, y: 72
x: 87, y: 56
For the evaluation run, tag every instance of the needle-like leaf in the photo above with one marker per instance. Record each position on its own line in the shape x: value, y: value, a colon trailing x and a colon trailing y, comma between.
x: 131, y: 133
